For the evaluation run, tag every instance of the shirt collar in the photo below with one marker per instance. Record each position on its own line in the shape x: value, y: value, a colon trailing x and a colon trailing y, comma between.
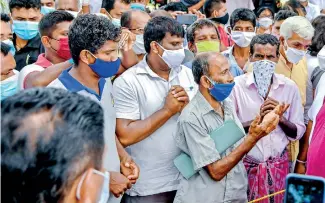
x: 207, y: 108
x: 32, y: 43
x: 275, y: 83
x: 74, y: 85
x: 42, y: 61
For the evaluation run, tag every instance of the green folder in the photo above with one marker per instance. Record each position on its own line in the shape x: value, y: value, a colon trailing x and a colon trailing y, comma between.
x: 224, y: 137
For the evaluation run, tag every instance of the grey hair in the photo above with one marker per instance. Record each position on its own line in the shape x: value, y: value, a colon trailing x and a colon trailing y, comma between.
x: 299, y: 25
x: 79, y: 2
x: 197, y: 25
x: 200, y: 65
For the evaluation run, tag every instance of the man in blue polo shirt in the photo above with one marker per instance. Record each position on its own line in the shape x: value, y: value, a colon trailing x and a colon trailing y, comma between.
x: 93, y: 42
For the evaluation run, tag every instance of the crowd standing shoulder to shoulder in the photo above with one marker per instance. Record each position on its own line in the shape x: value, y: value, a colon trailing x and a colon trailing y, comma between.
x: 190, y: 101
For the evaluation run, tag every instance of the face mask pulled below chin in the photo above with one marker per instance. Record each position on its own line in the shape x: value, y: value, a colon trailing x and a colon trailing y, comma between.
x: 294, y: 55
x: 242, y: 39
x: 220, y: 92
x: 104, y: 193
x: 9, y: 86
x: 263, y: 72
x: 105, y: 69
x: 138, y: 46
x: 173, y: 58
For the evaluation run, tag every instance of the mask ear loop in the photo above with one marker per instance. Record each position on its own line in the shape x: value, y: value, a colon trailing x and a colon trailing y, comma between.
x: 79, y: 185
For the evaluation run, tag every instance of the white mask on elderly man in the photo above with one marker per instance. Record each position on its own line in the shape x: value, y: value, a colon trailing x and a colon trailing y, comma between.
x: 263, y: 71
x: 138, y: 46
x: 293, y: 55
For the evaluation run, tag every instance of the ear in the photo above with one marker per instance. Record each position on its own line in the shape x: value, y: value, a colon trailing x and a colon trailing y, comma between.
x: 192, y: 47
x: 281, y: 39
x: 85, y: 57
x: 154, y: 47
x: 215, y: 13
x: 205, y: 82
x: 46, y: 41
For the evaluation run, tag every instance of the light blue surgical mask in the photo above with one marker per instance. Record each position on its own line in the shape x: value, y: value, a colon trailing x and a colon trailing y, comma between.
x: 12, y: 46
x: 9, y: 86
x: 116, y: 22
x: 25, y: 30
x: 220, y: 92
x: 45, y: 10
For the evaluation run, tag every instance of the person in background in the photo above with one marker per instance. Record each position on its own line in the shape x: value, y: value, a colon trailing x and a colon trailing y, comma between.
x: 72, y: 7
x: 9, y: 76
x: 312, y: 11
x: 148, y: 99
x: 216, y: 11
x: 115, y: 9
x: 243, y: 27
x: 278, y: 20
x: 232, y: 5
x: 295, y: 6
x: 95, y: 55
x: 53, y: 28
x: 295, y: 37
x: 6, y: 34
x: 221, y: 177
x: 265, y: 20
x: 135, y: 21
x: 267, y: 164
x: 175, y: 6
x: 53, y: 171
x: 320, y: 3
x: 47, y: 6
x: 163, y: 13
x: 26, y: 15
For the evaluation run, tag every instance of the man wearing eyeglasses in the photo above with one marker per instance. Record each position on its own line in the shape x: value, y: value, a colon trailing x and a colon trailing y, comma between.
x: 135, y: 21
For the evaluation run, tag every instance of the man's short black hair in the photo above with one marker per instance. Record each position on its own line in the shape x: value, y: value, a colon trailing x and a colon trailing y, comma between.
x: 24, y: 4
x: 5, y: 17
x: 158, y: 27
x: 260, y: 10
x: 175, y: 6
x: 318, y: 41
x: 243, y: 14
x: 49, y: 138
x: 109, y: 4
x: 90, y: 32
x: 197, y: 25
x: 284, y: 14
x: 212, y: 5
x: 265, y: 39
x: 50, y: 20
x: 126, y: 17
x: 5, y: 48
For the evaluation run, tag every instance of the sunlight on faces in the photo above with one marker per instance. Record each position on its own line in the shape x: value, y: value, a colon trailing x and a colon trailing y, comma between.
x: 8, y: 63
x: 5, y: 31
x: 48, y: 3
x: 296, y: 42
x: 23, y: 14
x: 264, y: 52
x: 119, y: 8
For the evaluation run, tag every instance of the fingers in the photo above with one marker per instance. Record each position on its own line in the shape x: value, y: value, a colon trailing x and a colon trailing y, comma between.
x: 256, y: 121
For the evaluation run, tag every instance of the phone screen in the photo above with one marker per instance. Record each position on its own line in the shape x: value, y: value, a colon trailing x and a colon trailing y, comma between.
x: 303, y: 190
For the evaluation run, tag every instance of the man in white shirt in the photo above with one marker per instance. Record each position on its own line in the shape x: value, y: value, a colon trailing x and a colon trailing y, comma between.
x: 312, y: 10
x: 148, y: 99
x: 93, y: 42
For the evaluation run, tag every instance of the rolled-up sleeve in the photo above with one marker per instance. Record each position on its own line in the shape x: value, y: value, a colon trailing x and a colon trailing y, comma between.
x: 125, y: 100
x: 296, y: 115
x: 201, y: 146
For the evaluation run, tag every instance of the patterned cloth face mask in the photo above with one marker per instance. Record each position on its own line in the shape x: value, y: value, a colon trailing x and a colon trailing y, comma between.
x: 263, y: 71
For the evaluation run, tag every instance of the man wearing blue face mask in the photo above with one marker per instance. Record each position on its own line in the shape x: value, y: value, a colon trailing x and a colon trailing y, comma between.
x: 148, y: 99
x: 221, y: 176
x: 25, y: 15
x: 9, y: 76
x: 93, y: 42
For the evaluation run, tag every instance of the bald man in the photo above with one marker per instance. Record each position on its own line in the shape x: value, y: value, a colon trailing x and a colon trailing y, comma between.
x: 135, y: 21
x: 73, y: 7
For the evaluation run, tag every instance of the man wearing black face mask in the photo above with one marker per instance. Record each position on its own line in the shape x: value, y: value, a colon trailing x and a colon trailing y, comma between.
x: 216, y: 11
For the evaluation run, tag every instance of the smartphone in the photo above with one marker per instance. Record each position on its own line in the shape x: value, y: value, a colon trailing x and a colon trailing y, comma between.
x: 186, y: 19
x: 304, y: 189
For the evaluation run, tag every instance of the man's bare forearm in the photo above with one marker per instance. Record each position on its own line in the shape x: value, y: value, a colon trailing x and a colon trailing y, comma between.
x: 288, y: 128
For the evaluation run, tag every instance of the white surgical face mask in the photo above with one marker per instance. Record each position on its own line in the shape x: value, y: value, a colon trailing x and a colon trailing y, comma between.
x: 9, y: 86
x: 173, y: 58
x: 138, y: 46
x: 263, y: 71
x: 74, y: 13
x: 116, y: 22
x: 265, y: 22
x: 242, y: 39
x: 321, y: 58
x: 293, y: 55
x: 104, y: 195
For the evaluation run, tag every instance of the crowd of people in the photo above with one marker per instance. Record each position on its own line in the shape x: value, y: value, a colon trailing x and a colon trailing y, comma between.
x: 100, y: 97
